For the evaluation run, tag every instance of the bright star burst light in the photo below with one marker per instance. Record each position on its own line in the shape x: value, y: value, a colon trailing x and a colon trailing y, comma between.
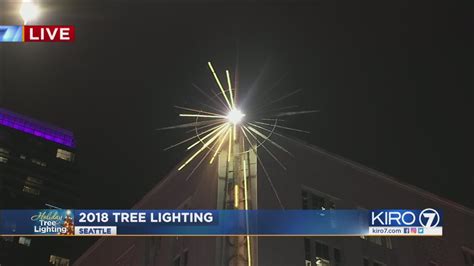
x: 220, y: 125
x: 29, y: 11
x: 235, y: 116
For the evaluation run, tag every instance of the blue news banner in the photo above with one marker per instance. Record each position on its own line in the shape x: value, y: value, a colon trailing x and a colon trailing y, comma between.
x: 427, y: 222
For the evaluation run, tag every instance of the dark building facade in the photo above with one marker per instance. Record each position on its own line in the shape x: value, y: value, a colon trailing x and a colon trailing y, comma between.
x: 314, y: 179
x: 37, y: 171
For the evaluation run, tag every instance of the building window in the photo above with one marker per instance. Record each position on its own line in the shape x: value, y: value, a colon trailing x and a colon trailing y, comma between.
x: 378, y: 240
x: 3, y: 155
x: 322, y: 262
x: 31, y: 190
x: 320, y: 203
x: 7, y: 238
x: 58, y: 261
x: 322, y: 254
x: 65, y: 155
x: 33, y: 181
x: 38, y: 162
x: 4, y: 151
x: 312, y: 201
x: 25, y: 241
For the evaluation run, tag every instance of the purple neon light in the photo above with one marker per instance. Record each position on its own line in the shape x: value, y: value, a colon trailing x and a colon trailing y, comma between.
x: 36, y: 128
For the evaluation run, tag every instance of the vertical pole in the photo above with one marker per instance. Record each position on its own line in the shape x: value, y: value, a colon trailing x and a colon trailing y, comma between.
x: 241, y: 246
x: 237, y: 190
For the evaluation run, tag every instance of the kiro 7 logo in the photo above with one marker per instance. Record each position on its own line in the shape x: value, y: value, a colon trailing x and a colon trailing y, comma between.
x: 429, y: 218
x: 425, y: 218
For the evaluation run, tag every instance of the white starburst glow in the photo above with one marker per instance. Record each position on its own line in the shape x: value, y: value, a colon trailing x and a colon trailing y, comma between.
x: 224, y: 126
x: 29, y: 11
x: 235, y: 116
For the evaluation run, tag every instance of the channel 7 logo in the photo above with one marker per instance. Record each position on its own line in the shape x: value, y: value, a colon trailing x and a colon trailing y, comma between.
x: 421, y: 218
x: 11, y: 33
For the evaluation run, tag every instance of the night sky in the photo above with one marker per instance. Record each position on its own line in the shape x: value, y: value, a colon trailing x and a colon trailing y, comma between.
x: 393, y: 82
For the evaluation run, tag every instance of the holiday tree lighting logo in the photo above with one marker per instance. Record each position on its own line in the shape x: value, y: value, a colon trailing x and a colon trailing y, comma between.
x: 53, y: 222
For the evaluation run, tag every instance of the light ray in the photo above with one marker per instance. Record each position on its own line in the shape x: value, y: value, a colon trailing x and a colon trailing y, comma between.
x: 179, y: 143
x: 219, y: 84
x: 200, y: 150
x: 279, y: 109
x: 271, y: 141
x: 230, y: 88
x: 296, y: 113
x: 185, y: 125
x: 248, y: 140
x: 230, y: 146
x: 200, y: 162
x: 269, y: 135
x: 271, y: 131
x: 272, y: 119
x: 235, y: 132
x: 277, y: 134
x: 212, y: 99
x: 195, y: 110
x: 199, y: 115
x: 281, y: 98
x: 271, y: 182
x: 246, y: 202
x: 275, y: 84
x: 188, y: 139
x: 236, y: 196
x: 207, y: 136
x: 219, y: 147
x: 220, y: 111
x: 283, y: 127
x: 210, y: 123
x: 266, y: 173
x: 264, y: 147
x: 246, y: 206
x: 236, y: 75
x: 191, y: 138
